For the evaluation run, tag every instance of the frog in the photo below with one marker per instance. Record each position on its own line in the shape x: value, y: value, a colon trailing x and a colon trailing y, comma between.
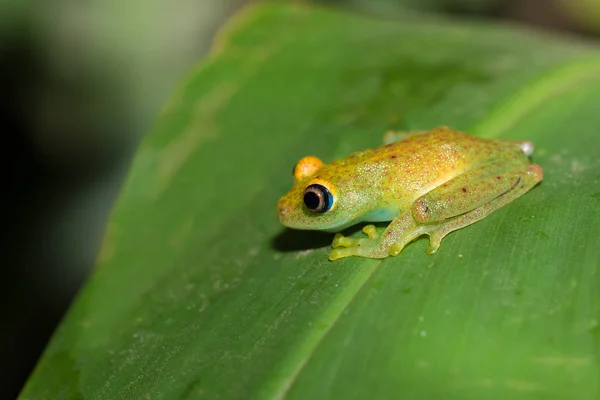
x: 422, y: 182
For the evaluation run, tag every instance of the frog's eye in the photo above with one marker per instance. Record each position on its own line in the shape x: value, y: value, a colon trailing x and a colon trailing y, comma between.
x: 306, y: 167
x: 317, y: 198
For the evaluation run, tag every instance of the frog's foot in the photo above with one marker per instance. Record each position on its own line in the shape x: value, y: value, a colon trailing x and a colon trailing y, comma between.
x: 340, y: 240
x: 344, y: 246
x: 390, y: 243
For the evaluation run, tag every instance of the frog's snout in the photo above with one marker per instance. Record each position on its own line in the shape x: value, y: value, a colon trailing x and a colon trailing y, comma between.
x: 282, y: 210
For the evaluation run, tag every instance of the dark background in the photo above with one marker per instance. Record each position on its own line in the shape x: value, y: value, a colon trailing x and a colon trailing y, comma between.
x: 80, y: 83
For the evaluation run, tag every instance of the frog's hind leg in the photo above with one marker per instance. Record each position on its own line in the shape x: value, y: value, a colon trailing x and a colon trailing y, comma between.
x: 467, y: 191
x: 500, y: 195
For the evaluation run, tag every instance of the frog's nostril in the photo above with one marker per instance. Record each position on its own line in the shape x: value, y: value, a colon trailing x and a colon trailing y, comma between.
x: 281, y: 209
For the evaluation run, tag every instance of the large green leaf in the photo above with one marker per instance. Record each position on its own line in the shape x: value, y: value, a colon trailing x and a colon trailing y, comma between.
x: 200, y: 293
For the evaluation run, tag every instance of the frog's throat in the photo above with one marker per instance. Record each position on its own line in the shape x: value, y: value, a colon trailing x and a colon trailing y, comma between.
x: 379, y: 215
x: 338, y: 225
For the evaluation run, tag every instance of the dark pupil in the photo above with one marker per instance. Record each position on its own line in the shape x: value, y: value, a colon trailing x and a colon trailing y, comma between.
x: 312, y: 200
x: 317, y: 198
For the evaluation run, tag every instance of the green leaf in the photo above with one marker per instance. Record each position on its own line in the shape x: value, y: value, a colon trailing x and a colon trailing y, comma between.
x: 200, y: 293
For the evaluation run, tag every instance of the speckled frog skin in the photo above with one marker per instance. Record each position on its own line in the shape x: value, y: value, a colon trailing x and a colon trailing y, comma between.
x: 424, y: 182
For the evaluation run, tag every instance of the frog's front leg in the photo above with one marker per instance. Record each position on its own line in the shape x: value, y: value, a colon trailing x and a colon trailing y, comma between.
x: 345, y: 246
x: 401, y: 231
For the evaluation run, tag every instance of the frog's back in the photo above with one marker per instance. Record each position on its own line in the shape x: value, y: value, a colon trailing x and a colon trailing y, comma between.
x: 419, y: 163
x: 439, y: 140
x: 446, y: 142
x: 438, y: 146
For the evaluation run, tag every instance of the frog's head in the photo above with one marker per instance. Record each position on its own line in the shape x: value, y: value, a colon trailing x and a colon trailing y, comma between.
x: 323, y: 198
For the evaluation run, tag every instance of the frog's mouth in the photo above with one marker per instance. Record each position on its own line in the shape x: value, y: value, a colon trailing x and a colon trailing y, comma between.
x: 298, y: 220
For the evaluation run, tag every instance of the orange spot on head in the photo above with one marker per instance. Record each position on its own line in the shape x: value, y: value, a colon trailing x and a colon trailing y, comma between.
x: 307, y: 166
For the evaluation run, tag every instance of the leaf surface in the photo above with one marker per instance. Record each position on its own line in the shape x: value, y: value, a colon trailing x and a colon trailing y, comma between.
x: 200, y: 293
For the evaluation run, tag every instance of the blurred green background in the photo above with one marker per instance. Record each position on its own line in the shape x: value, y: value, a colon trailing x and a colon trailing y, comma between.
x: 81, y: 83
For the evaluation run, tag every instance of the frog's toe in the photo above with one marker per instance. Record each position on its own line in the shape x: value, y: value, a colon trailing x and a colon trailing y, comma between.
x: 374, y: 251
x: 371, y: 231
x: 435, y: 240
x: 431, y: 249
x: 338, y: 253
x: 340, y: 240
x: 395, y: 249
